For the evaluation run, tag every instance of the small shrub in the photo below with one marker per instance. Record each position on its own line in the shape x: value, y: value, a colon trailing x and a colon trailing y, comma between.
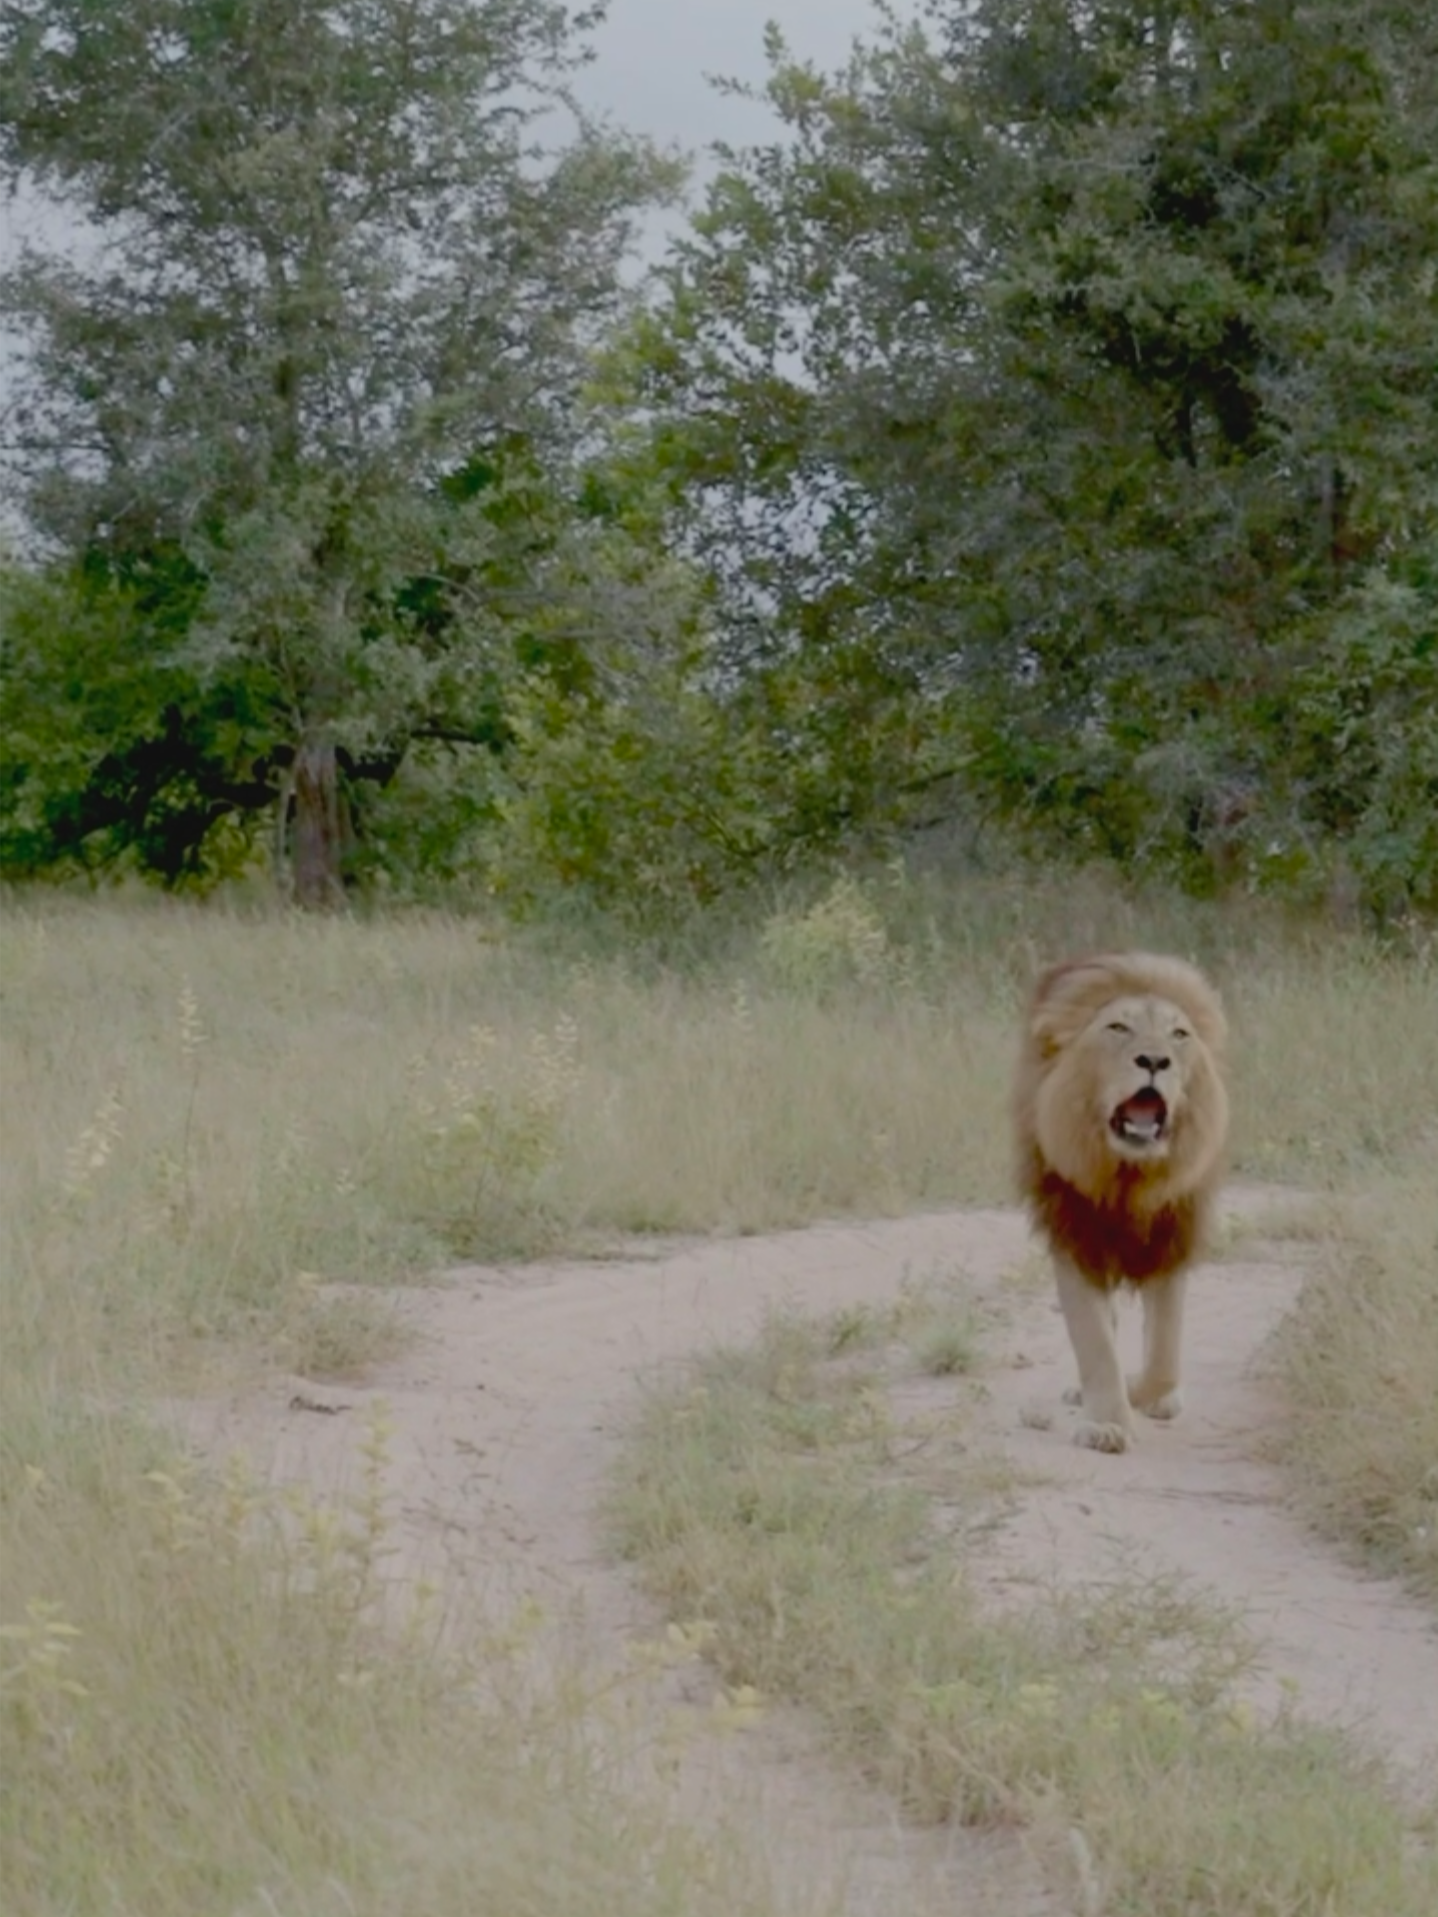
x: 945, y: 1346
x: 475, y: 1148
x: 840, y: 940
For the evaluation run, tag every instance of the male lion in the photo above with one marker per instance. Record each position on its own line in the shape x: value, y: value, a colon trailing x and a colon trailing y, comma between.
x: 1122, y: 1119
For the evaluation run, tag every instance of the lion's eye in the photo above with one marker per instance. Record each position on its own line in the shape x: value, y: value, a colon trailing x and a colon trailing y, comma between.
x: 1119, y: 1026
x: 1179, y: 1032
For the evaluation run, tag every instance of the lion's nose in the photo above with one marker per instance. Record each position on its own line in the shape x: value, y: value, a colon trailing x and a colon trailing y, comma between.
x: 1152, y: 1065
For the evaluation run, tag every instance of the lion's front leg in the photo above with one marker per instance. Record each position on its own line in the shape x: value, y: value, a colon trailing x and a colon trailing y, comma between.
x: 1090, y: 1316
x: 1158, y: 1388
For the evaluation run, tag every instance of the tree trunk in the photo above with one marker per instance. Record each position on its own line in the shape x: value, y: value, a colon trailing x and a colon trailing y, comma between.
x: 319, y: 834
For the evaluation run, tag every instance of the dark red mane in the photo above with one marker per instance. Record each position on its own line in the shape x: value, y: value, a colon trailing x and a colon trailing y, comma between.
x: 1111, y: 1242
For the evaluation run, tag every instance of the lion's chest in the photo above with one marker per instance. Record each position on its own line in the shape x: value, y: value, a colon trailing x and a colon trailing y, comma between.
x: 1112, y: 1241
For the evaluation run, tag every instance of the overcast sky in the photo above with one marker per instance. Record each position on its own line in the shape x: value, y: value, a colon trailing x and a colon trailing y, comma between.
x: 654, y: 55
x: 656, y: 58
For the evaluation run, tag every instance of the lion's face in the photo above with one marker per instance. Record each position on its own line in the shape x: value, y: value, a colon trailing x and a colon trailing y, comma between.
x: 1139, y: 1050
x: 1121, y: 1081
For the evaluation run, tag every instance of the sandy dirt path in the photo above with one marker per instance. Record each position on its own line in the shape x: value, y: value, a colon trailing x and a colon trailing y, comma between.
x: 505, y: 1414
x: 1197, y: 1497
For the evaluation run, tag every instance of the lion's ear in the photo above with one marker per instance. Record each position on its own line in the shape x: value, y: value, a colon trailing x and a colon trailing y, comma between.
x: 1049, y: 982
x: 1058, y: 1007
x: 1046, y: 1031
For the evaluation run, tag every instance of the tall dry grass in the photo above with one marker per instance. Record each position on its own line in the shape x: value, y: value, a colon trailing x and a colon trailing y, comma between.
x: 1359, y: 1359
x: 206, y: 1108
x: 202, y: 1713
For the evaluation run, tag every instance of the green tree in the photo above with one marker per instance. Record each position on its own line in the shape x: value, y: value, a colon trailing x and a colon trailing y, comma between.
x: 108, y: 746
x: 1361, y: 760
x: 336, y: 247
x: 1060, y: 372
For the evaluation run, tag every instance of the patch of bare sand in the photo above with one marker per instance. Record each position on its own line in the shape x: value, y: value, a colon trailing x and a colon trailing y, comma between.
x: 506, y: 1410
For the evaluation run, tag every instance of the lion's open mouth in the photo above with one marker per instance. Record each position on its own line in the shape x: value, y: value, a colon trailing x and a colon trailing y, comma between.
x: 1142, y: 1119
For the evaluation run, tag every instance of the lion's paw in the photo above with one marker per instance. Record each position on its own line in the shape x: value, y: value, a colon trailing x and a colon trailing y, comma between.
x: 1112, y: 1438
x: 1162, y: 1401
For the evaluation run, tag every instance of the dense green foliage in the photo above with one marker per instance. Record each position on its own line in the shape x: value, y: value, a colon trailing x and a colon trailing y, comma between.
x: 1071, y: 374
x: 301, y: 422
x: 1043, y: 425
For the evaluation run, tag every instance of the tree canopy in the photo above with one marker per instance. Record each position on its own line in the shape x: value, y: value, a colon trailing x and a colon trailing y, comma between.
x: 1069, y: 372
x: 1043, y: 424
x: 288, y: 410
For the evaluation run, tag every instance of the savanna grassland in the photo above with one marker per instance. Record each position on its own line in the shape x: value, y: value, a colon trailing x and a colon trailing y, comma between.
x: 208, y: 1112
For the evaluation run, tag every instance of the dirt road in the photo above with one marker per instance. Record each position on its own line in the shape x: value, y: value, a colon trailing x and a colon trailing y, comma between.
x: 507, y: 1406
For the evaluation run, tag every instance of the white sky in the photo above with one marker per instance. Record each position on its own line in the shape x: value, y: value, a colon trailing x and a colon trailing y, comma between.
x: 655, y: 59
x: 654, y: 54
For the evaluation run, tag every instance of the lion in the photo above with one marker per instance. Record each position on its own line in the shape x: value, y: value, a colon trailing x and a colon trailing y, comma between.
x: 1122, y: 1121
